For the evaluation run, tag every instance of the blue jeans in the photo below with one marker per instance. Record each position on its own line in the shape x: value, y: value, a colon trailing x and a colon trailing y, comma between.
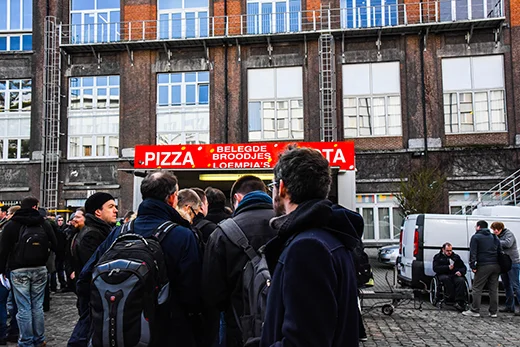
x: 511, y: 284
x: 12, y: 330
x: 4, y: 293
x: 28, y: 287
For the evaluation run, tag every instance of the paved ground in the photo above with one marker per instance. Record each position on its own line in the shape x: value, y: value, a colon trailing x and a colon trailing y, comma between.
x: 407, y: 326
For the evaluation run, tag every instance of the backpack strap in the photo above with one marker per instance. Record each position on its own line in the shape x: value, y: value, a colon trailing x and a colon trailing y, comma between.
x: 127, y: 228
x: 231, y: 229
x: 162, y: 230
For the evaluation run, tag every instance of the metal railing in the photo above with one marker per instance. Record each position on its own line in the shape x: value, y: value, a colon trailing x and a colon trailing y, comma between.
x: 324, y: 20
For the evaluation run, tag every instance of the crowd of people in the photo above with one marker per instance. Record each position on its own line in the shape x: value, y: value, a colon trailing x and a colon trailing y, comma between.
x: 174, y: 272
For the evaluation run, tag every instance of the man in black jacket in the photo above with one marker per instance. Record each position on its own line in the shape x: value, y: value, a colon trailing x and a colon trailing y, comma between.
x: 224, y: 261
x: 28, y: 273
x: 216, y: 205
x: 101, y: 215
x: 450, y: 270
x: 483, y: 260
x: 200, y: 222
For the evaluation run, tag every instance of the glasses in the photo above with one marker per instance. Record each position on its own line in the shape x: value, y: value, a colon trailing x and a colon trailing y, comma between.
x: 271, y: 186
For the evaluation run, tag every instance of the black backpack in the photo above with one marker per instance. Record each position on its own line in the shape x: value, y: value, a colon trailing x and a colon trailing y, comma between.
x: 254, y: 287
x: 33, y: 247
x: 129, y: 282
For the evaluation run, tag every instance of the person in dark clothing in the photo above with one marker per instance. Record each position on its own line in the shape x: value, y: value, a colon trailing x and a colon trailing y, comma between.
x: 312, y: 299
x: 28, y: 277
x: 59, y: 277
x: 203, y: 225
x: 101, y: 215
x: 216, y: 205
x: 3, y: 215
x: 180, y: 321
x: 450, y: 270
x: 483, y: 260
x: 224, y: 261
x: 76, y: 224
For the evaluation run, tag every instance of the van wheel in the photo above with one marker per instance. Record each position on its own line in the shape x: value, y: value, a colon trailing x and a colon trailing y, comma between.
x: 387, y: 309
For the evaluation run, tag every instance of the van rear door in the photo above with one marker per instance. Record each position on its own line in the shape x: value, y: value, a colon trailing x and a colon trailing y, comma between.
x: 406, y: 249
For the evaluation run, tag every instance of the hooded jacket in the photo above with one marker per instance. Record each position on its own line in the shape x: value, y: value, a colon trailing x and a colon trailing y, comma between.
x: 483, y: 249
x: 11, y: 234
x: 223, y: 261
x: 508, y: 243
x: 312, y: 299
x: 183, y: 265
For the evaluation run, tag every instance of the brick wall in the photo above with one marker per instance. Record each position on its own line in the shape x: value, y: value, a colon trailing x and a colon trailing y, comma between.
x: 142, y: 18
x: 500, y: 139
x: 378, y: 143
x: 515, y: 12
x: 236, y: 25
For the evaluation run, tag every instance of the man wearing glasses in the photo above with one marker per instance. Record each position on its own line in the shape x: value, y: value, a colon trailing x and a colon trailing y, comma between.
x: 450, y: 270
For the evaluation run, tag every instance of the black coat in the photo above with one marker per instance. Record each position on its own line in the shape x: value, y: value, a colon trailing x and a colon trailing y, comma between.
x: 441, y: 264
x: 203, y: 226
x: 217, y: 213
x: 483, y: 249
x: 11, y: 234
x: 223, y: 261
x: 312, y: 299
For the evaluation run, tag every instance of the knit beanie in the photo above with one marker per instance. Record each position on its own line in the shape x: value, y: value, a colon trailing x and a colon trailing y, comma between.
x: 96, y: 201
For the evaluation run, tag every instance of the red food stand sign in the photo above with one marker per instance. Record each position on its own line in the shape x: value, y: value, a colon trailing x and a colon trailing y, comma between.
x: 235, y: 156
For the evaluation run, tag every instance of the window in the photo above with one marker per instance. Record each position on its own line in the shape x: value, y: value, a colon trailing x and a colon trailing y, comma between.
x: 268, y: 16
x: 93, y: 117
x: 15, y: 119
x: 466, y: 202
x: 371, y: 100
x: 275, y: 104
x: 95, y: 21
x: 474, y: 94
x: 369, y: 13
x: 15, y: 25
x: 382, y: 216
x: 179, y: 19
x: 183, y: 108
x: 470, y: 9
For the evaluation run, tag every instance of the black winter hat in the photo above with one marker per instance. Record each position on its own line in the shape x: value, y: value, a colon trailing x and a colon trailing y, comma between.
x: 96, y: 201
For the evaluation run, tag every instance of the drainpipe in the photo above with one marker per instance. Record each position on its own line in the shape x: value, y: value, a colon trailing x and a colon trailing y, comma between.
x: 422, y: 47
x: 226, y: 91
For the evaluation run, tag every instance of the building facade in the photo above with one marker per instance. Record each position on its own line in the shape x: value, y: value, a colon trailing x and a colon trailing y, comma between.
x: 413, y: 83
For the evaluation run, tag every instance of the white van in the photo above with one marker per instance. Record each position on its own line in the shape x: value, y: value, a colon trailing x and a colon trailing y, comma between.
x: 423, y: 235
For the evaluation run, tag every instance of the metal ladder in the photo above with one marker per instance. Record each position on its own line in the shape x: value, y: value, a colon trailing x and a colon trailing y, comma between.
x: 51, y: 115
x: 327, y: 88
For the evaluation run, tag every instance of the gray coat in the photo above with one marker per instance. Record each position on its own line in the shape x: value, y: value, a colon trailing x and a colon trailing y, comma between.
x: 508, y: 243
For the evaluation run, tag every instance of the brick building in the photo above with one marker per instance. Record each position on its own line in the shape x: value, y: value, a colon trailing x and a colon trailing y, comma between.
x: 411, y: 82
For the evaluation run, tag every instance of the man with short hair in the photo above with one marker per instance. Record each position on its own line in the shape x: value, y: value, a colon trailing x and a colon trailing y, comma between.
x: 312, y: 299
x: 450, y: 270
x: 200, y: 222
x: 179, y: 319
x: 224, y: 261
x: 100, y: 217
x: 216, y: 205
x: 483, y: 260
x: 28, y: 276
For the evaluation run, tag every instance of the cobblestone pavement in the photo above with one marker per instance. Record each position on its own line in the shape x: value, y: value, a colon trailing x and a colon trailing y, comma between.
x: 407, y: 326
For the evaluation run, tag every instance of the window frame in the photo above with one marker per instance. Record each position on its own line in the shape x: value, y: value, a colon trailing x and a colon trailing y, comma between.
x: 183, y: 11
x: 24, y: 31
x: 375, y: 204
x: 184, y: 110
x: 106, y: 28
x: 256, y: 21
x: 93, y: 114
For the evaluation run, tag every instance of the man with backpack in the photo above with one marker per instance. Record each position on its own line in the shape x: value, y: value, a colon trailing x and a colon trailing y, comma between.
x: 312, y: 298
x: 27, y: 240
x: 173, y: 323
x: 224, y: 258
x: 101, y: 215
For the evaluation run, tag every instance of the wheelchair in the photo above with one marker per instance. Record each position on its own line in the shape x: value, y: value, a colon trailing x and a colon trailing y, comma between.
x: 439, y: 298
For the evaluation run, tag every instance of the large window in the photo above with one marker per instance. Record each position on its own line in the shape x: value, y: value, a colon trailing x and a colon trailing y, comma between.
x: 382, y: 216
x: 474, y: 94
x: 183, y: 108
x: 93, y: 117
x: 268, y: 16
x: 470, y: 9
x: 15, y: 119
x: 95, y: 21
x: 15, y: 25
x: 275, y: 104
x: 371, y: 100
x: 180, y: 19
x: 369, y: 13
x: 466, y: 202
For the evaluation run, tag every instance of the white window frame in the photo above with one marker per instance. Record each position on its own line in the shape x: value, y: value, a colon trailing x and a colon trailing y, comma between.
x: 98, y: 117
x: 466, y: 206
x: 199, y: 17
x: 84, y: 34
x: 476, y: 123
x: 9, y: 32
x: 255, y: 21
x: 371, y: 96
x: 20, y: 116
x: 388, y: 13
x: 375, y: 204
x: 186, y: 132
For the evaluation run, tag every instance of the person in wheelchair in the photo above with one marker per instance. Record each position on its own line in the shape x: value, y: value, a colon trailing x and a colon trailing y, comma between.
x: 451, y: 271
